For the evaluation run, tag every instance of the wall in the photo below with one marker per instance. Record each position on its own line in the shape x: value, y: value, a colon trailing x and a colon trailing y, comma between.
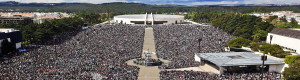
x: 276, y: 68
x: 284, y: 41
x: 169, y: 20
x: 0, y: 46
x: 197, y: 58
x: 6, y: 30
x: 127, y: 21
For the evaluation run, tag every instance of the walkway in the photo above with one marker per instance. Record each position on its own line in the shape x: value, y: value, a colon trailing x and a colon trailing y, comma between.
x: 149, y: 72
x: 204, y: 68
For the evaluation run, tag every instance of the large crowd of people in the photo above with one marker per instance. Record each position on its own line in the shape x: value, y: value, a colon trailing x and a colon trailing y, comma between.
x: 179, y: 43
x: 198, y: 75
x: 100, y: 52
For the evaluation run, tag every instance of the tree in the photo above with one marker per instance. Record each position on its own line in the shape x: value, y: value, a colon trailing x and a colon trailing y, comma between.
x: 91, y: 18
x: 245, y: 26
x: 293, y: 71
x: 254, y: 46
x: 283, y: 25
x: 291, y: 59
x: 238, y: 42
x: 274, y: 50
x: 260, y: 34
x: 271, y: 18
x: 294, y: 23
x: 283, y: 19
x: 26, y: 21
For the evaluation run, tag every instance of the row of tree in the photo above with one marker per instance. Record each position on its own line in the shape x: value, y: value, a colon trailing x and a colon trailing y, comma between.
x: 246, y: 26
x: 281, y: 22
x: 93, y: 18
x: 34, y: 33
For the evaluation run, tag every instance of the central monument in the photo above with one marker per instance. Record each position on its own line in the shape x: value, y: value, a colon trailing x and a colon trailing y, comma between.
x: 148, y: 61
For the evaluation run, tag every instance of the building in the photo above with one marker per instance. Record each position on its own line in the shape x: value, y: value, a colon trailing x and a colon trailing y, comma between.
x: 36, y: 17
x: 281, y: 13
x: 41, y: 20
x: 148, y: 19
x: 288, y: 39
x: 5, y: 20
x: 12, y: 35
x: 238, y: 62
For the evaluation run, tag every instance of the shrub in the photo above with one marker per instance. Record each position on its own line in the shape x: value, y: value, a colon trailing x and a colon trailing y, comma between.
x: 274, y: 50
x: 238, y: 42
x: 293, y: 71
x: 254, y: 46
x: 291, y: 58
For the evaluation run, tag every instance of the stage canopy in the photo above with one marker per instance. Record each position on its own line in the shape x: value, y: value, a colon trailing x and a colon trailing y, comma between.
x: 235, y: 59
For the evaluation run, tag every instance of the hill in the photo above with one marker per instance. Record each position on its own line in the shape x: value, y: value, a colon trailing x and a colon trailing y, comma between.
x: 121, y: 7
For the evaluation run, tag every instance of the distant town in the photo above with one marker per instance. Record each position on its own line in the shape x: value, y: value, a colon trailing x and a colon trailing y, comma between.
x: 36, y: 17
x: 288, y: 15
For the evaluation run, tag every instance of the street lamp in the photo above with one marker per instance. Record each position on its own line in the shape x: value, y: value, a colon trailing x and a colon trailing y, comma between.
x: 108, y: 14
x: 271, y: 37
x: 55, y: 52
x: 199, y: 40
x: 264, y: 58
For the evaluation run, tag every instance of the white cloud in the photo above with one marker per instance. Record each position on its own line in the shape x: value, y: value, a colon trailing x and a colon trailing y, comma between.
x: 271, y: 2
x: 59, y: 1
x: 214, y: 2
x: 137, y: 1
x: 40, y: 1
x: 186, y: 2
x: 183, y: 0
x: 98, y: 1
x: 154, y: 0
x: 165, y: 0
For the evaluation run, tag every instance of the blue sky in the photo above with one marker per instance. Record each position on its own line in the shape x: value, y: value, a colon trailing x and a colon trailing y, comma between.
x: 181, y: 2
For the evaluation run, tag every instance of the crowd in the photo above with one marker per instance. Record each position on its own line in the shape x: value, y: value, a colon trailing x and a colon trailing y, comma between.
x: 97, y: 53
x: 179, y: 43
x: 198, y: 75
x: 101, y: 52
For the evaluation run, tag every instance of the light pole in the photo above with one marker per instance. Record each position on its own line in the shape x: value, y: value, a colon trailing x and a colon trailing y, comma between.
x: 56, y: 58
x: 108, y: 14
x: 199, y: 40
x: 264, y: 58
x: 271, y: 37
